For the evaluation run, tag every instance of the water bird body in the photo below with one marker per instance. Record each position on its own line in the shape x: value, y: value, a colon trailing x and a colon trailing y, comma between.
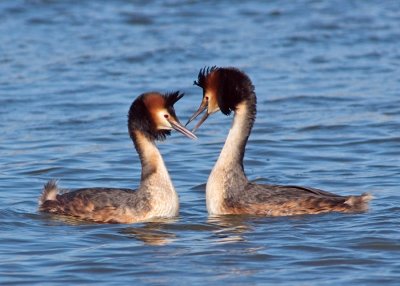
x: 228, y: 190
x: 151, y: 117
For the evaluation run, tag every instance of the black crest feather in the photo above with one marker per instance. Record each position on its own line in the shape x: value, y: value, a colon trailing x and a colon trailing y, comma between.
x: 172, y: 97
x: 203, y: 73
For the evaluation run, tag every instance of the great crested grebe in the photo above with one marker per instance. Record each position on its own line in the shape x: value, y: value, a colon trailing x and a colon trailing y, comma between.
x: 228, y: 190
x: 151, y: 117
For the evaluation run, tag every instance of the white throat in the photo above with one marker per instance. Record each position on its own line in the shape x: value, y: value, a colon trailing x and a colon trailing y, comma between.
x: 228, y: 174
x: 155, y: 180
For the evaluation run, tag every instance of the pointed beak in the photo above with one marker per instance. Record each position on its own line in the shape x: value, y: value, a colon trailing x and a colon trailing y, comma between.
x: 180, y: 128
x: 205, y: 116
x: 203, y: 107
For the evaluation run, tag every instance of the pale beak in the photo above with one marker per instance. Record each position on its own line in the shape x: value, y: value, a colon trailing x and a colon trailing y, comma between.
x: 180, y: 128
x: 203, y: 106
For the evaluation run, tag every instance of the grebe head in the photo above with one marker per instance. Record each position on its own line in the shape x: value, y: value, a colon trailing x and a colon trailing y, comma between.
x: 154, y: 115
x: 223, y: 89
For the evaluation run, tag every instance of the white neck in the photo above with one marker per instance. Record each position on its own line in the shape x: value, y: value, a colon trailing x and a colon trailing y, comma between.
x: 155, y: 180
x: 228, y: 173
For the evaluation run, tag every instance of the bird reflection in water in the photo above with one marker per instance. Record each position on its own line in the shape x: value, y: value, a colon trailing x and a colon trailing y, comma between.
x: 152, y: 233
x: 230, y: 229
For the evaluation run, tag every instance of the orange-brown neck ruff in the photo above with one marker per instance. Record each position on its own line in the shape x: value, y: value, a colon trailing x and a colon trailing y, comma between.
x: 211, y: 90
x: 154, y: 100
x: 143, y: 115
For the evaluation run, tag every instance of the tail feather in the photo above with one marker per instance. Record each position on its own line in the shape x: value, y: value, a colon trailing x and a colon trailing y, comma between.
x: 49, y: 193
x: 359, y: 203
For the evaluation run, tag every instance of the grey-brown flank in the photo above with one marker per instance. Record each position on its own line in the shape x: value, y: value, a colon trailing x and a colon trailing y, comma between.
x: 151, y: 117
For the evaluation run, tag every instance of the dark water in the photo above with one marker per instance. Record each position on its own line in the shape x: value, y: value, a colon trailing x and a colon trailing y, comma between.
x: 327, y: 79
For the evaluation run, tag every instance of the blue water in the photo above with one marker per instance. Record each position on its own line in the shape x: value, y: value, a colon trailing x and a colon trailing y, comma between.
x: 327, y: 79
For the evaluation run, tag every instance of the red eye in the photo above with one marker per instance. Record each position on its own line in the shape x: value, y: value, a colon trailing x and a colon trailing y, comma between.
x: 207, y: 98
x: 166, y: 115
